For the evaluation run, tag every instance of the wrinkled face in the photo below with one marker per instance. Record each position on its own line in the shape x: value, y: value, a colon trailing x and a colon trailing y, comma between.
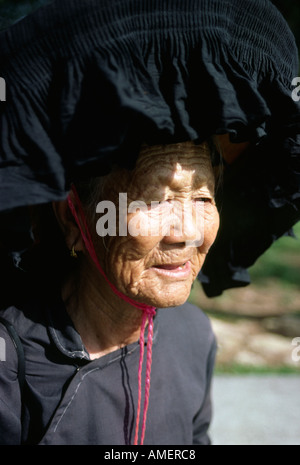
x: 158, y: 259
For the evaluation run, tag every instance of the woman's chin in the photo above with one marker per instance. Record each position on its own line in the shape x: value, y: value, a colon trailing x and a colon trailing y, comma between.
x: 165, y: 299
x: 161, y: 293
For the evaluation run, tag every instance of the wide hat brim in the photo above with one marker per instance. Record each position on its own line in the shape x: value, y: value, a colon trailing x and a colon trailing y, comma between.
x: 88, y: 82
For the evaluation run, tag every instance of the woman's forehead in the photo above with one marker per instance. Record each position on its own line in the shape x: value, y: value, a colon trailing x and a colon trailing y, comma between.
x: 185, y: 152
x: 171, y: 164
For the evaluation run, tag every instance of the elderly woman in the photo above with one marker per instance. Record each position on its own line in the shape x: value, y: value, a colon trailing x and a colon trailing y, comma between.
x: 115, y: 135
x: 91, y: 335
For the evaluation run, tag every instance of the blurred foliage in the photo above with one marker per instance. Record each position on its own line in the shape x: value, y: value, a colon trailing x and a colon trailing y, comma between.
x: 280, y: 262
x: 237, y: 369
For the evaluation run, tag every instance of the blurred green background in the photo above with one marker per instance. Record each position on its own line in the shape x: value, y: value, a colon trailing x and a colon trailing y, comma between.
x: 255, y: 325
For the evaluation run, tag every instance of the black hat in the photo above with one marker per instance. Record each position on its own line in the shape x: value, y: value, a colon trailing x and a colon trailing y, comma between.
x: 87, y: 82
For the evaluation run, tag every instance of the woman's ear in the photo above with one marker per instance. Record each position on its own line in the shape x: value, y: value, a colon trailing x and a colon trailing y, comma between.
x: 229, y: 151
x: 68, y: 225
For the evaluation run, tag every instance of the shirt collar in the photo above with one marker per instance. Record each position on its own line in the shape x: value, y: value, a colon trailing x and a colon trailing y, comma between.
x: 65, y: 336
x: 63, y: 332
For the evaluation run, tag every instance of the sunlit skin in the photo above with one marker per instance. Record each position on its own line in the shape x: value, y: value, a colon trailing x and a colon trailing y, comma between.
x: 158, y: 270
x: 182, y: 173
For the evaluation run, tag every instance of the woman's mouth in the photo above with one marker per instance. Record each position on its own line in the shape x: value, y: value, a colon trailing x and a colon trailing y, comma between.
x: 174, y: 270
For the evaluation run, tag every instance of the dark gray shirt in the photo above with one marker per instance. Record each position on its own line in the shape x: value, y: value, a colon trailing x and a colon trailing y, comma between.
x: 70, y: 399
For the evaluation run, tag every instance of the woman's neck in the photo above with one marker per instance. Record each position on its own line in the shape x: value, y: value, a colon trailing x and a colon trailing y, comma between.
x: 104, y: 321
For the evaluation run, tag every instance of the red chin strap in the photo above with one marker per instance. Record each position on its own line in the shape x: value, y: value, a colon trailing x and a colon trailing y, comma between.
x: 148, y: 313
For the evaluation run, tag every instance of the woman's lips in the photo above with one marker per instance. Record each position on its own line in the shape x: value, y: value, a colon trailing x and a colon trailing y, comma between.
x: 174, y: 270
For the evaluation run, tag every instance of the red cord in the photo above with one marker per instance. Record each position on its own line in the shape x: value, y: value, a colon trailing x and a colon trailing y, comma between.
x: 148, y: 314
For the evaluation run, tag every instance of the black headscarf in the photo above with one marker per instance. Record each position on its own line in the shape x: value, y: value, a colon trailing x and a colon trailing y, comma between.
x: 88, y: 81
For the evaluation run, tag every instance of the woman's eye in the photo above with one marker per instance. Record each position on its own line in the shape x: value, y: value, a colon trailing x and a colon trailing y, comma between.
x: 203, y: 199
x: 159, y: 204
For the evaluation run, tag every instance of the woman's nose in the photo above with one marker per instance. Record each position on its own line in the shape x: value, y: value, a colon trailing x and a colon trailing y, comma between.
x: 185, y: 224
